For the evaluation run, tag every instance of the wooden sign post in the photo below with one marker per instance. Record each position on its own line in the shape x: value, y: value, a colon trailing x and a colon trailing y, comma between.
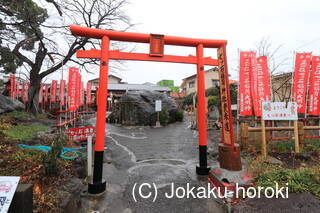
x: 296, y: 137
x: 264, y: 139
x: 279, y: 111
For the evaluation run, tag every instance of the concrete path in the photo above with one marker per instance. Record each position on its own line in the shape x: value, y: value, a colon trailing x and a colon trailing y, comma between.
x: 159, y: 157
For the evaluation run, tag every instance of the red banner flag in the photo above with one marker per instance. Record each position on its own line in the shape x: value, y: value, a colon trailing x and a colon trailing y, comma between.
x: 82, y: 94
x: 301, y: 72
x: 53, y: 89
x: 12, y: 85
x: 72, y: 88
x: 262, y: 88
x: 245, y: 101
x: 16, y: 89
x: 25, y: 92
x: 40, y: 94
x: 314, y: 90
x: 78, y: 82
x: 254, y: 83
x: 89, y: 88
x: 62, y: 89
x: 46, y: 93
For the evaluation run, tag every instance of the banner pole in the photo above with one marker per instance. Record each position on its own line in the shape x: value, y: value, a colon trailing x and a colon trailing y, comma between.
x: 264, y: 140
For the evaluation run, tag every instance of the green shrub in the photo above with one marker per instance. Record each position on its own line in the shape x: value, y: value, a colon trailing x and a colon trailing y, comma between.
x: 306, y: 179
x: 164, y: 116
x: 50, y: 160
x: 179, y: 115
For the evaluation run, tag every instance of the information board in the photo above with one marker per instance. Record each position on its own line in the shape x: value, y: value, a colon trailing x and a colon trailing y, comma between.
x: 8, y: 186
x: 279, y: 111
x: 158, y: 106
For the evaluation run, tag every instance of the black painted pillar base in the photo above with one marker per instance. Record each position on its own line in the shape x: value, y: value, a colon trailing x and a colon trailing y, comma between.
x: 97, y: 188
x: 98, y: 185
x: 202, y: 168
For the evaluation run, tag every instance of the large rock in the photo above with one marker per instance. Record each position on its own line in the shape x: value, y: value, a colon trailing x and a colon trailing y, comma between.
x: 138, y: 108
x: 8, y: 104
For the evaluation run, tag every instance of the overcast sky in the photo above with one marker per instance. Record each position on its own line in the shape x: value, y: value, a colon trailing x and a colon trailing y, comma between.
x: 291, y: 23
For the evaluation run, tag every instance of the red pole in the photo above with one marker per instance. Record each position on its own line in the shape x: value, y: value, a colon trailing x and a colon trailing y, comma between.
x: 99, y: 185
x: 202, y: 169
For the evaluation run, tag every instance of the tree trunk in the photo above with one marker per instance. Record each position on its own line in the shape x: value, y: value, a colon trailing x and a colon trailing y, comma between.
x: 33, y: 93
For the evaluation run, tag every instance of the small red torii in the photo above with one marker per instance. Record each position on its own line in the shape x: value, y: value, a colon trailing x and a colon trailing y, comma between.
x: 228, y: 151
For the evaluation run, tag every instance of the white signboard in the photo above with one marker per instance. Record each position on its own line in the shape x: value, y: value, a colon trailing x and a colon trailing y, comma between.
x: 8, y: 186
x: 279, y: 111
x: 158, y: 105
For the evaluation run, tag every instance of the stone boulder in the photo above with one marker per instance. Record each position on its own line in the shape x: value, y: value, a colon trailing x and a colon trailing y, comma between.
x: 8, y: 104
x: 137, y: 108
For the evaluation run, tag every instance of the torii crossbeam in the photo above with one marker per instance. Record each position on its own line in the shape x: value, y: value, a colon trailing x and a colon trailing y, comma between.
x: 227, y: 149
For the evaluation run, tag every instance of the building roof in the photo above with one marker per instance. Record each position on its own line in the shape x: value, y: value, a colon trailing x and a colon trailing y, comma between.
x: 195, y: 75
x: 135, y: 87
x: 108, y: 76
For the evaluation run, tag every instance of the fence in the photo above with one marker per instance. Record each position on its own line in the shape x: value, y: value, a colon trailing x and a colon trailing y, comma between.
x: 300, y: 136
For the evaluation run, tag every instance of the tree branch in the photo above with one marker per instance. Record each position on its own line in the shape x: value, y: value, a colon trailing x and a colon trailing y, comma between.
x: 19, y: 55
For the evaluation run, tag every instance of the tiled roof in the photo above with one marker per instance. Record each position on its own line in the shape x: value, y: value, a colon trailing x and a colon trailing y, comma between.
x: 131, y: 87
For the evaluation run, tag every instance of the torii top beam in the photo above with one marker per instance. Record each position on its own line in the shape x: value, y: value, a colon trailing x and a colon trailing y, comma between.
x: 144, y: 38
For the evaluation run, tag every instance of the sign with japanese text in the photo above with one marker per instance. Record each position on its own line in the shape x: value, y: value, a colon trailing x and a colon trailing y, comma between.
x: 301, y: 74
x: 61, y: 92
x: 81, y: 93
x: 226, y: 116
x: 156, y: 45
x: 40, y: 94
x: 262, y: 85
x: 46, y: 93
x: 12, y: 85
x: 279, y: 111
x: 53, y: 89
x: 89, y: 97
x: 72, y: 87
x: 80, y: 133
x: 8, y: 186
x: 245, y: 101
x: 314, y: 89
x: 158, y: 106
x: 25, y: 88
x: 254, y: 82
x: 78, y: 84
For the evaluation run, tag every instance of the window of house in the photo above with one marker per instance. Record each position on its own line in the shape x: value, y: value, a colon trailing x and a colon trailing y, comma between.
x: 215, y: 82
x: 191, y: 84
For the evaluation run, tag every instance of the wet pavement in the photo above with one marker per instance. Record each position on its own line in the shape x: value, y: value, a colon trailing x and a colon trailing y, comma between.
x: 157, y: 158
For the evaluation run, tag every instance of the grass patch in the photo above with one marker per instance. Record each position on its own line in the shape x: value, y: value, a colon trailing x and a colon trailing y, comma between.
x: 312, y: 145
x: 301, y: 180
x: 282, y: 146
x: 24, y: 154
x: 17, y: 114
x: 24, y: 133
x: 267, y: 173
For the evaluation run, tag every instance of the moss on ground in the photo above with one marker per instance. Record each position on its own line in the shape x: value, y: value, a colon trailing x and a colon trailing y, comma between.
x: 24, y: 133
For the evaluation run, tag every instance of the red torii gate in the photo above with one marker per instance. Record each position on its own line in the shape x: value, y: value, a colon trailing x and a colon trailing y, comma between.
x: 228, y: 151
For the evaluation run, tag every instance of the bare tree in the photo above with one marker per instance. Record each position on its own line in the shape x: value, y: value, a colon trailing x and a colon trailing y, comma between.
x: 280, y: 81
x: 53, y: 42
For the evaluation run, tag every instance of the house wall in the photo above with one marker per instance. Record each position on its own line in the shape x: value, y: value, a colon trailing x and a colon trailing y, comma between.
x: 209, y: 76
